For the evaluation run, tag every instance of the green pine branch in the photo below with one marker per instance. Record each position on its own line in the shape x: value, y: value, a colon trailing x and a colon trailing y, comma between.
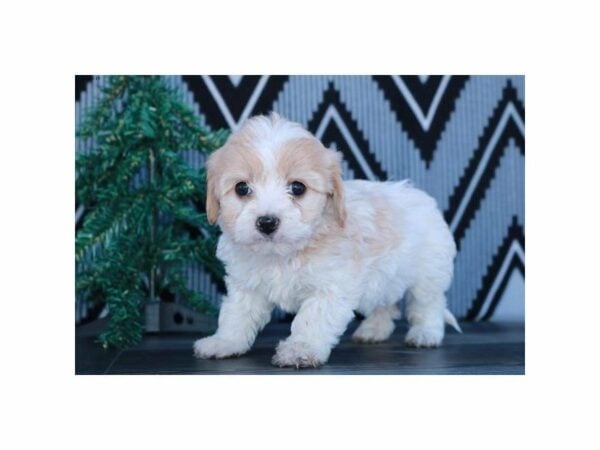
x: 140, y: 197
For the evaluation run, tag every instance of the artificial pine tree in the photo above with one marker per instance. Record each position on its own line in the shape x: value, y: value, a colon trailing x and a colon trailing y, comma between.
x: 142, y: 223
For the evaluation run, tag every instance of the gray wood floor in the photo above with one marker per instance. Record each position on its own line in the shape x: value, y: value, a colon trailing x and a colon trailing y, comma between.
x: 483, y: 348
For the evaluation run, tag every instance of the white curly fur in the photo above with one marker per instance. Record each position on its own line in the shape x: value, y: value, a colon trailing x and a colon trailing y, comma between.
x: 340, y: 247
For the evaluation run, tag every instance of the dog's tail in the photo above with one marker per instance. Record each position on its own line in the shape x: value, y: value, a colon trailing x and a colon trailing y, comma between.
x: 451, y: 320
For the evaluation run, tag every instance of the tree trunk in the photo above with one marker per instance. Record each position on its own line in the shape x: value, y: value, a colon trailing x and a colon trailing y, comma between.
x: 153, y: 304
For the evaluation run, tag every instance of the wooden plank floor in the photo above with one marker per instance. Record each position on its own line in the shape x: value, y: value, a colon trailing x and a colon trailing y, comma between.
x: 483, y: 348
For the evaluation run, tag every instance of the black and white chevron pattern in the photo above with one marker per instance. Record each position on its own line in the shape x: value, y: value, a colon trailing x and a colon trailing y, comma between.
x: 460, y: 138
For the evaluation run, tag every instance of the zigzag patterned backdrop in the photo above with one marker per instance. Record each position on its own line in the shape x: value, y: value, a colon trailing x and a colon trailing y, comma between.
x: 460, y: 138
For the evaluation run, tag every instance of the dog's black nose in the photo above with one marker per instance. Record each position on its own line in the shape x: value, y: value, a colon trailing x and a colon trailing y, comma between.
x: 267, y: 224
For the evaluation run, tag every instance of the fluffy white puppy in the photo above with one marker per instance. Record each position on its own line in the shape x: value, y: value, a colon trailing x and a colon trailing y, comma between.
x: 296, y: 236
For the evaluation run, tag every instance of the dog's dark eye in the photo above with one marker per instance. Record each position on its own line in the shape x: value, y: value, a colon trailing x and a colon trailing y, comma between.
x: 242, y: 189
x: 297, y: 188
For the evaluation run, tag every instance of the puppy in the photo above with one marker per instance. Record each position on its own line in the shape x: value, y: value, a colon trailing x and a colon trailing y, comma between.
x: 296, y: 236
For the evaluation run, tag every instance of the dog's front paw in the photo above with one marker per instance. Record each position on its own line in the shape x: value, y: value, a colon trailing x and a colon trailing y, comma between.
x: 422, y: 336
x: 298, y: 354
x: 217, y: 347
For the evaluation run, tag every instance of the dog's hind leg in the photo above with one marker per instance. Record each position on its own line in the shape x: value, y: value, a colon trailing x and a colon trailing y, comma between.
x: 425, y: 313
x: 377, y: 326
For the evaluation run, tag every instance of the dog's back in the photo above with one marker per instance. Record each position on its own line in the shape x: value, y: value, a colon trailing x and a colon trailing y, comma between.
x: 402, y: 237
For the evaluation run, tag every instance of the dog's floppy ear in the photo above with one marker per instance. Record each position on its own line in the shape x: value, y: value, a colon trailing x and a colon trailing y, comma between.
x: 212, y: 201
x: 338, y: 197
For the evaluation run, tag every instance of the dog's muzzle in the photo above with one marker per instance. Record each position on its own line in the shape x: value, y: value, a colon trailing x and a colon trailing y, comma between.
x: 267, y: 224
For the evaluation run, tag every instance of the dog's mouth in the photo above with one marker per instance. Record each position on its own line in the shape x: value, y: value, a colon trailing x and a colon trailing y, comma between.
x: 270, y: 238
x: 275, y: 243
x: 261, y: 239
x: 280, y: 241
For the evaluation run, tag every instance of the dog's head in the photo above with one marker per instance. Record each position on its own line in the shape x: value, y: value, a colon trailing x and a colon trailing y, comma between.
x: 273, y: 185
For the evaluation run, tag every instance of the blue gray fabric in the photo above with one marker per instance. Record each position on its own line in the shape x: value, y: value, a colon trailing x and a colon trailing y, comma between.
x: 460, y: 138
